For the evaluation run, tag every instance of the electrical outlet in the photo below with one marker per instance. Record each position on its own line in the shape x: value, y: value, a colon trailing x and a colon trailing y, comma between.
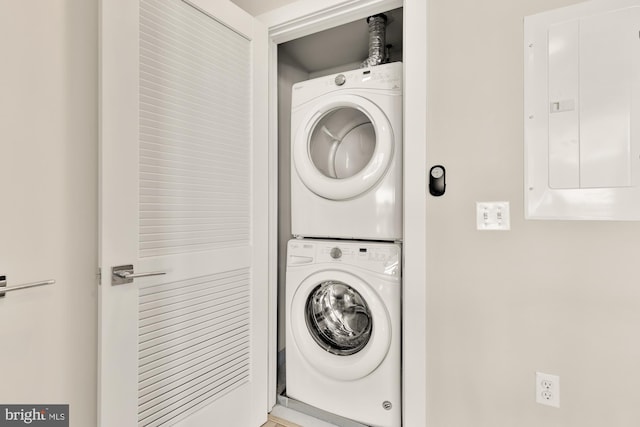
x: 548, y: 389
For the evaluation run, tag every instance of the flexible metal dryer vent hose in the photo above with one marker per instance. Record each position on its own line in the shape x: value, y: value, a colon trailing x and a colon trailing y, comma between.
x: 377, y: 32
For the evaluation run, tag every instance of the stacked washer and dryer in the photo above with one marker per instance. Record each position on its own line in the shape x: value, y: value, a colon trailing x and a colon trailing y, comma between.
x: 343, y: 283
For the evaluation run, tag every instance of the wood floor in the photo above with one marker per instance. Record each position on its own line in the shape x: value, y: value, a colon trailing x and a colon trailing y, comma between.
x: 279, y: 422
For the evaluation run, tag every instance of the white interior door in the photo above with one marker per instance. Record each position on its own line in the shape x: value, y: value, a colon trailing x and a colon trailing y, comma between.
x: 184, y: 192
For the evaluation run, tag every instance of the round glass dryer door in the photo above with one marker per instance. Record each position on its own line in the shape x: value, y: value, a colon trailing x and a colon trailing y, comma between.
x: 342, y: 143
x: 338, y: 318
x: 343, y: 147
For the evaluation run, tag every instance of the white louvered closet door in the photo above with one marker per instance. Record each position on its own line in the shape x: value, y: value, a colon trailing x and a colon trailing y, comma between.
x: 183, y: 192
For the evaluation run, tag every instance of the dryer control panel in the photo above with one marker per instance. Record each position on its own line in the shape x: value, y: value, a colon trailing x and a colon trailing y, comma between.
x: 369, y: 77
x: 386, y: 78
x: 383, y: 258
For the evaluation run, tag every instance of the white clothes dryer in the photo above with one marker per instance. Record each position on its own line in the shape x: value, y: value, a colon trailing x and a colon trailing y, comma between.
x: 343, y: 328
x: 346, y: 155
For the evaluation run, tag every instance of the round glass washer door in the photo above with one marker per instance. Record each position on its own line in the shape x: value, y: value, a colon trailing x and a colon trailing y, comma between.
x: 338, y: 318
x: 343, y: 147
x: 339, y: 325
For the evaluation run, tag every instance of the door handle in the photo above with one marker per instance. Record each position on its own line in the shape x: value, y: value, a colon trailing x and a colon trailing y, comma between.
x: 123, y: 274
x: 4, y: 288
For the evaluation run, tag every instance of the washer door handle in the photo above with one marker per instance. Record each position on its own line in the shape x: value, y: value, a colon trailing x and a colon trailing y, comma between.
x: 297, y: 260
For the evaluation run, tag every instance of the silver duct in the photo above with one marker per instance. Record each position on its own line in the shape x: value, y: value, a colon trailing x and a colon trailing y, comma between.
x: 377, y: 31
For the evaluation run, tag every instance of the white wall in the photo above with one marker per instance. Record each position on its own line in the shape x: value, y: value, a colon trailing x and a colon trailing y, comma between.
x: 553, y: 296
x: 48, y: 217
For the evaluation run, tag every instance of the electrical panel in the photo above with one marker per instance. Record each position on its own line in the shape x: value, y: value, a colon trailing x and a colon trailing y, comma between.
x: 582, y: 112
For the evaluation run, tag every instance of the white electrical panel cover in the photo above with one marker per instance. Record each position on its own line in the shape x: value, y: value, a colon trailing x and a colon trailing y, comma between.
x: 582, y: 112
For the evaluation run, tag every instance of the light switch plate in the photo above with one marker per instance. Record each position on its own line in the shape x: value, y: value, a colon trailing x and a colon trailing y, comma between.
x: 493, y: 216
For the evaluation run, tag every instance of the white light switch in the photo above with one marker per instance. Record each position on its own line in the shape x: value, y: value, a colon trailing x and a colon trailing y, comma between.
x: 493, y: 216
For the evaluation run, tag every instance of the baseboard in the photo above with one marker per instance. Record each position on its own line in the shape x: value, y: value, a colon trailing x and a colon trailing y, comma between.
x: 314, y: 412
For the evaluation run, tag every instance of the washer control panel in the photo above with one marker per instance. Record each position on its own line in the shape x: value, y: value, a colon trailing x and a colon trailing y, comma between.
x: 381, y: 258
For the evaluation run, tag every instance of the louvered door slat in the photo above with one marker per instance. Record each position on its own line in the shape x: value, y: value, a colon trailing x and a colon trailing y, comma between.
x: 224, y: 381
x: 167, y: 290
x: 189, y: 333
x: 188, y: 139
x: 213, y: 292
x: 175, y: 366
x: 157, y: 362
x: 180, y: 384
x: 220, y: 286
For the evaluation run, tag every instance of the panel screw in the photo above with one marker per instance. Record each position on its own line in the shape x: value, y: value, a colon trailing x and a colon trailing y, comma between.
x: 386, y: 405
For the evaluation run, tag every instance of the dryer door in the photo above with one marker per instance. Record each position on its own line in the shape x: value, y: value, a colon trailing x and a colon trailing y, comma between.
x: 343, y: 147
x: 340, y: 325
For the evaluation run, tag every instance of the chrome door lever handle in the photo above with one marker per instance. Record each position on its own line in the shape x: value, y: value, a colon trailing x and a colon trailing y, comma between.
x: 4, y: 288
x: 124, y: 274
x: 127, y: 275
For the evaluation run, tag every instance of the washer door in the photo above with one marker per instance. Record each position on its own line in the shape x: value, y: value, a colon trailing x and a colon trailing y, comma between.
x: 343, y: 147
x: 340, y: 325
x: 338, y: 318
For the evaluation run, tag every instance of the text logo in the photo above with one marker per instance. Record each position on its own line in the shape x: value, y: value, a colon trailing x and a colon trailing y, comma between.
x: 34, y: 415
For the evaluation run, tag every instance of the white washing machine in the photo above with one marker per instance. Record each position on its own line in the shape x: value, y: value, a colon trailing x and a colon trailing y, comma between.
x: 343, y: 328
x: 346, y: 155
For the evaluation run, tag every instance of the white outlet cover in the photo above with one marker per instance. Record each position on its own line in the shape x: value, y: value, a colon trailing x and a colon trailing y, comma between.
x: 548, y: 389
